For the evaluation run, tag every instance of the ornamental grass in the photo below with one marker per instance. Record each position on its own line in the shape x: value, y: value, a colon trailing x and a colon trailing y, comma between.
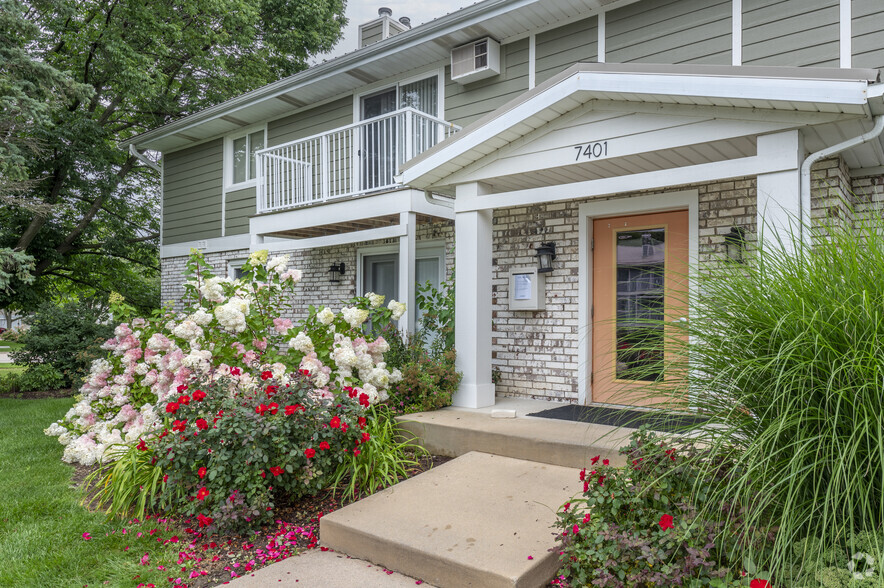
x: 785, y: 355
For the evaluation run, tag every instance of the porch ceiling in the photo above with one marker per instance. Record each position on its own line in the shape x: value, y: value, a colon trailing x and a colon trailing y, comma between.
x: 340, y: 228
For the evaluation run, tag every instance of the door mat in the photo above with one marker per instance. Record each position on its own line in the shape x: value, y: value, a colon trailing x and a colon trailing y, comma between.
x: 619, y: 417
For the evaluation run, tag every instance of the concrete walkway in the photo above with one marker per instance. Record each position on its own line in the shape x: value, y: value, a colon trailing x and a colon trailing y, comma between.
x: 324, y: 569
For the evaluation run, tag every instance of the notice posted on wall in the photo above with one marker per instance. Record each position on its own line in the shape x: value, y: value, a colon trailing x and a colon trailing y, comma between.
x: 522, y: 286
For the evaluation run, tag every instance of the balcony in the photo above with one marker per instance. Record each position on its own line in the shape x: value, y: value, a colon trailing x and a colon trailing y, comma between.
x: 357, y: 159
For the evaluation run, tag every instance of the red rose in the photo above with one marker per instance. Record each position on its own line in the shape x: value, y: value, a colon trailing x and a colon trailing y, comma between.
x: 261, y: 409
x: 324, y: 445
x: 666, y: 523
x: 204, y: 520
x: 172, y: 407
x: 273, y: 408
x: 290, y: 409
x: 235, y: 371
x: 271, y: 390
x: 335, y: 423
x: 363, y: 399
x: 365, y: 437
x: 356, y: 452
x: 304, y: 372
x: 759, y: 583
x: 263, y: 475
x: 595, y: 460
x: 362, y: 422
x: 199, y: 395
x: 202, y: 424
x: 202, y: 493
x: 179, y: 425
x: 201, y: 473
x: 185, y: 399
x: 309, y: 452
x: 142, y: 446
x: 276, y: 470
x: 266, y: 375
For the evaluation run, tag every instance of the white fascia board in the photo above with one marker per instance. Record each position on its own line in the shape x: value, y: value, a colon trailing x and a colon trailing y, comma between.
x: 216, y: 245
x: 705, y: 172
x: 601, y: 84
x: 335, y: 212
x: 390, y: 232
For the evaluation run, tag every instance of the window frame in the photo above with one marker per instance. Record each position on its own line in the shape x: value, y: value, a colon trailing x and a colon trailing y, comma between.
x: 229, y: 184
x: 233, y: 265
x: 368, y: 91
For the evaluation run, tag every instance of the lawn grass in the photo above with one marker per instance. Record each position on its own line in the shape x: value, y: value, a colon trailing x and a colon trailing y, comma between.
x: 10, y: 368
x: 9, y: 346
x: 42, y: 522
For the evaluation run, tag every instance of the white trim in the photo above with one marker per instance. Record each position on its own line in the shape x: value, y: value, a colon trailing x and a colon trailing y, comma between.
x: 162, y: 196
x: 214, y: 245
x: 711, y: 87
x: 532, y: 60
x: 390, y: 232
x: 736, y: 32
x: 845, y: 17
x: 227, y: 164
x: 387, y: 83
x: 601, y: 43
x: 733, y: 168
x: 235, y: 264
x: 589, y: 211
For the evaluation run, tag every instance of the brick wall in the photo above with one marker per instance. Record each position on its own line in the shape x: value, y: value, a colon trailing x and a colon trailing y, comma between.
x: 315, y: 287
x: 535, y: 353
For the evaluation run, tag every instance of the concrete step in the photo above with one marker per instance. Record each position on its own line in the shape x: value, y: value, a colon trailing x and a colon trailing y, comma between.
x: 479, y: 520
x: 455, y: 431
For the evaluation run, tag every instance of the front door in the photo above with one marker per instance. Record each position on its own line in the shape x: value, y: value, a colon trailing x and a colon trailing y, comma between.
x: 639, y: 284
x: 378, y: 149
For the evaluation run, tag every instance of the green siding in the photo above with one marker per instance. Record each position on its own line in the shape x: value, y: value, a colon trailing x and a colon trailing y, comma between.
x: 239, y: 206
x: 192, y: 184
x: 868, y: 33
x: 670, y: 31
x: 791, y: 32
x: 327, y: 117
x: 558, y: 49
x: 465, y: 104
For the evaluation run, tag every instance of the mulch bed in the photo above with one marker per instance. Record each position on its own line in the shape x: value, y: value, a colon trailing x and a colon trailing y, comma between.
x: 38, y: 394
x: 220, y: 558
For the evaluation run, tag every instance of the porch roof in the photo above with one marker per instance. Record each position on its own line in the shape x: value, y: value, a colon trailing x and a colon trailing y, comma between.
x: 827, y: 95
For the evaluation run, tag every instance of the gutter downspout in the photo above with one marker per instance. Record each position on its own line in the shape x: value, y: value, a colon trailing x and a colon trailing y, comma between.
x: 876, y: 131
x: 140, y: 157
x: 432, y: 199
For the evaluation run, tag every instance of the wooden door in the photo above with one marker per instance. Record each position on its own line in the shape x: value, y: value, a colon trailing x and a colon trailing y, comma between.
x: 639, y: 285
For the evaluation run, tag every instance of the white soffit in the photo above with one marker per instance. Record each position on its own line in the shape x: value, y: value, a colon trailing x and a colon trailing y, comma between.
x: 747, y: 90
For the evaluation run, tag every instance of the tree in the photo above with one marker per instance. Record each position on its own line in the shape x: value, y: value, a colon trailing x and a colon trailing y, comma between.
x: 83, y: 76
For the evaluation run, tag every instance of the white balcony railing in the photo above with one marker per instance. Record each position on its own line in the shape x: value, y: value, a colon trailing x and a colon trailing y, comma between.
x: 351, y: 160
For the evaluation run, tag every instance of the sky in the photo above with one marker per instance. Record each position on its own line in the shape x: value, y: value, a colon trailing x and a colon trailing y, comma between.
x: 419, y: 11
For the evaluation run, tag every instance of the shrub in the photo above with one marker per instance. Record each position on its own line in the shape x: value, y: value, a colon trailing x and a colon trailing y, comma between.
x: 58, y: 333
x: 427, y: 384
x: 786, y: 359
x: 226, y: 323
x: 40, y: 377
x: 129, y: 484
x: 436, y: 329
x: 232, y: 454
x: 644, y: 526
x: 381, y: 461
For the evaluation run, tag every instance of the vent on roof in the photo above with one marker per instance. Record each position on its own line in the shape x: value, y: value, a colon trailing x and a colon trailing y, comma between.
x: 475, y: 61
x: 382, y: 27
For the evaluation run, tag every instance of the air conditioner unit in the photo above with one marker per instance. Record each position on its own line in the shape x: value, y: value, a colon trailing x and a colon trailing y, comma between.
x: 475, y: 61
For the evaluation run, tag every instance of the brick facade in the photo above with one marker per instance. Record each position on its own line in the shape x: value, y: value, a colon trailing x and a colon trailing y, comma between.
x: 315, y: 287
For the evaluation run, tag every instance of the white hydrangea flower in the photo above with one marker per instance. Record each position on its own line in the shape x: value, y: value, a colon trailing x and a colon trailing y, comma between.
x: 55, y: 430
x: 326, y: 316
x: 372, y: 393
x: 141, y: 369
x: 397, y: 308
x: 212, y: 290
x: 395, y: 376
x: 376, y: 300
x: 301, y: 342
x: 201, y: 317
x: 188, y: 330
x: 232, y: 315
x: 278, y: 264
x: 354, y: 316
x: 343, y: 356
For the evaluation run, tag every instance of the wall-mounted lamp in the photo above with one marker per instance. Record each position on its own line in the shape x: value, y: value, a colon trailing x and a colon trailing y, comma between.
x: 546, y: 253
x: 336, y: 270
x: 735, y: 243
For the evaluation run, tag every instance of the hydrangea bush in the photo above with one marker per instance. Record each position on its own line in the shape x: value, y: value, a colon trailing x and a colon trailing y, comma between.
x: 229, y: 329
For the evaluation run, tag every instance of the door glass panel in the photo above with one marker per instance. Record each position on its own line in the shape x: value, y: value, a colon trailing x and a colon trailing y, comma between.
x: 378, y: 150
x: 421, y: 95
x: 640, y: 303
x: 381, y: 275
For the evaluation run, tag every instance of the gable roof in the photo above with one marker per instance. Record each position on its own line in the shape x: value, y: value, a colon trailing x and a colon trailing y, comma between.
x: 423, y: 45
x: 812, y: 90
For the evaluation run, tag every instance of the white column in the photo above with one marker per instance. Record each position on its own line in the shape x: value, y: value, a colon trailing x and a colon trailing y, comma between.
x: 779, y: 193
x: 472, y: 339
x: 257, y: 242
x: 406, y: 269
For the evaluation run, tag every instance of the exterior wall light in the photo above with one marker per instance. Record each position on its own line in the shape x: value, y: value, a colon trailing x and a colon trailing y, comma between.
x: 546, y: 253
x: 735, y: 243
x: 336, y: 271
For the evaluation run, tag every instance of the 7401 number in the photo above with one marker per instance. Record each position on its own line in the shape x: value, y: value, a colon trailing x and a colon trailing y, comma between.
x: 591, y: 150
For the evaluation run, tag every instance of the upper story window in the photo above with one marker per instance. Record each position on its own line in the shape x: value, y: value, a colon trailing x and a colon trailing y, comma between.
x: 241, y: 159
x: 421, y: 93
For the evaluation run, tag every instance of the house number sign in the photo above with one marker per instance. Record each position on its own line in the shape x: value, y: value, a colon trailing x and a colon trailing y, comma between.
x: 589, y: 151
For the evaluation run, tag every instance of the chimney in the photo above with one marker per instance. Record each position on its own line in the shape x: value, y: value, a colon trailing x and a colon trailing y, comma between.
x: 383, y: 27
